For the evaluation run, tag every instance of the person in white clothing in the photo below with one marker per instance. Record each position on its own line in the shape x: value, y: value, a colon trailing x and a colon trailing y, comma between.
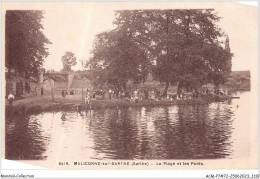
x: 10, y: 99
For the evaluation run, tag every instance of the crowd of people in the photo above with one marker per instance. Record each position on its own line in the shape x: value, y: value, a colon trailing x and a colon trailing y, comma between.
x: 137, y: 95
x: 64, y: 93
x: 133, y: 96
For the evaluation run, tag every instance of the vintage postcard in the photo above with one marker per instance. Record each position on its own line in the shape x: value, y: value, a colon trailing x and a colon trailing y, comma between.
x: 130, y: 85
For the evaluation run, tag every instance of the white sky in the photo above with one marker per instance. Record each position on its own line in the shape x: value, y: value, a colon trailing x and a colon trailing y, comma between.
x: 73, y: 26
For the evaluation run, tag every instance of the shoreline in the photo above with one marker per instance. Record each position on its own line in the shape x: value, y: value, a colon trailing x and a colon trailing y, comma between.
x: 44, y: 105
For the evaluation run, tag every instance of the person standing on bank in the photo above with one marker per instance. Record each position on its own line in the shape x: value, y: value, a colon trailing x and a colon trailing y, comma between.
x: 26, y: 88
x: 10, y: 99
x: 36, y: 90
x: 63, y: 94
x: 41, y: 90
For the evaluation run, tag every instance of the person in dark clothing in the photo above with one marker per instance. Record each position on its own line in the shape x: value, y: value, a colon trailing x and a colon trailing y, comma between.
x: 146, y: 94
x: 41, y: 90
x: 29, y: 87
x: 63, y: 94
x: 35, y: 90
x: 72, y: 92
x: 26, y: 88
x: 207, y: 91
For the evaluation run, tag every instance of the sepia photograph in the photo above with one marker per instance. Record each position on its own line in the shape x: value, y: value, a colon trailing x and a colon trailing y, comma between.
x: 130, y: 85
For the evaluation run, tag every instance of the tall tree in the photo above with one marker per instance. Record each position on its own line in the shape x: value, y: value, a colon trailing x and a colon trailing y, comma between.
x: 120, y: 55
x: 25, y: 42
x: 178, y: 43
x: 219, y: 66
x: 68, y: 60
x: 181, y: 51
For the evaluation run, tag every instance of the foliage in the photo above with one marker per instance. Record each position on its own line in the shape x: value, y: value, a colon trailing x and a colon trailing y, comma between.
x: 180, y: 47
x: 119, y: 57
x: 183, y: 50
x: 68, y: 60
x: 25, y: 41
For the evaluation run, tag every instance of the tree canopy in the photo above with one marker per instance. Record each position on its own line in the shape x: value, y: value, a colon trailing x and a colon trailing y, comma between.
x: 68, y: 60
x: 182, y: 47
x: 25, y: 42
x: 120, y: 57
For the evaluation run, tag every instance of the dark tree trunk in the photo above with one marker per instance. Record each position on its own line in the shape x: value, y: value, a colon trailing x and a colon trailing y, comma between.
x: 166, y: 89
x: 216, y: 88
x: 167, y: 52
x: 125, y: 90
x: 146, y: 94
x: 179, y: 90
x: 116, y: 92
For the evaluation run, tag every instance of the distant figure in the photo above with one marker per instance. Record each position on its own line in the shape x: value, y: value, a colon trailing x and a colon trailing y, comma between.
x: 41, y: 90
x: 63, y: 116
x: 184, y: 95
x: 63, y: 94
x: 216, y: 91
x: 207, y: 91
x: 146, y: 94
x: 27, y: 88
x: 135, y: 95
x: 181, y: 95
x: 221, y: 92
x: 72, y: 92
x: 87, y: 100
x: 110, y: 94
x: 35, y: 90
x: 10, y: 99
x: 226, y: 92
x: 152, y: 95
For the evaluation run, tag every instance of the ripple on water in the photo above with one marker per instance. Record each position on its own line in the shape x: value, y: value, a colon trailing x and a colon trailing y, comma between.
x: 176, y: 132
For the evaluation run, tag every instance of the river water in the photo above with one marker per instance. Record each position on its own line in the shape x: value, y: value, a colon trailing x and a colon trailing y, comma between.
x: 216, y: 130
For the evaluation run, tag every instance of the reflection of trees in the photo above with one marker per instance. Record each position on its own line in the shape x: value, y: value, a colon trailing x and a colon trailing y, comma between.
x: 202, y: 136
x: 171, y: 135
x: 159, y: 133
x: 114, y: 134
x: 161, y: 144
x: 24, y: 142
x: 192, y: 127
x: 219, y: 131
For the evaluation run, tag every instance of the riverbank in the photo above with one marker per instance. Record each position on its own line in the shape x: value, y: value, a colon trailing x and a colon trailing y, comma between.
x: 38, y: 104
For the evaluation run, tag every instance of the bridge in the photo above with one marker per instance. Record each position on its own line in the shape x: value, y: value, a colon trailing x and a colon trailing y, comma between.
x: 57, y: 76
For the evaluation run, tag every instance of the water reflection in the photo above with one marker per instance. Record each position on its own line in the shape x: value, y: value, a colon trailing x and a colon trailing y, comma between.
x: 25, y: 139
x: 176, y: 132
